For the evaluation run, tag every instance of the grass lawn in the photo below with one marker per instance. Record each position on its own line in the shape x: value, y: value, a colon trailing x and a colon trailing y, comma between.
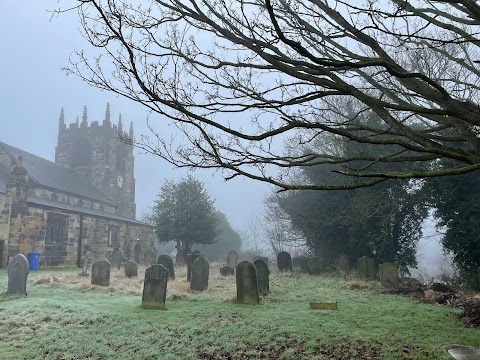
x: 65, y: 317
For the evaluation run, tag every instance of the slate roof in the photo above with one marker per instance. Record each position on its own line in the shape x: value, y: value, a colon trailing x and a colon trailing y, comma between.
x: 49, y: 174
x: 79, y: 209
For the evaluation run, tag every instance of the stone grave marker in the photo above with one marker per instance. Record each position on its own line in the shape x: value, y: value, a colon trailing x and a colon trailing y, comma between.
x: 343, y: 264
x: 227, y: 270
x: 366, y: 268
x: 131, y: 268
x: 149, y: 257
x: 200, y: 272
x: 190, y: 259
x: 18, y: 269
x: 101, y: 273
x: 137, y: 253
x: 284, y: 261
x: 117, y: 258
x: 388, y: 274
x: 247, y: 287
x: 232, y: 259
x: 263, y: 277
x: 155, y: 287
x: 167, y: 261
x: 264, y: 258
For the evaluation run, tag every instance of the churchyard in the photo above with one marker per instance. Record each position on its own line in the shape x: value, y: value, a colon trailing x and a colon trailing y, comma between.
x: 64, y: 316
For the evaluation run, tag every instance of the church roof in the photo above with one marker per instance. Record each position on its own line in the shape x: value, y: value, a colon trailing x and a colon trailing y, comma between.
x: 49, y: 174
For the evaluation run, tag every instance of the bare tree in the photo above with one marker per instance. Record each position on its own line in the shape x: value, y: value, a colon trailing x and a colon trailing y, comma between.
x: 239, y: 78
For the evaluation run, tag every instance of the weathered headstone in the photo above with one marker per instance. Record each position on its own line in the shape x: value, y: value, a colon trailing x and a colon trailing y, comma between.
x: 167, y: 261
x: 284, y: 261
x: 149, y: 257
x: 388, y: 274
x: 263, y: 277
x: 131, y: 268
x: 264, y: 258
x: 232, y: 259
x: 137, y: 252
x: 190, y: 259
x: 227, y: 270
x: 300, y: 263
x: 200, y: 272
x: 247, y: 287
x: 366, y: 268
x: 18, y: 270
x: 155, y: 287
x: 101, y: 273
x: 343, y: 264
x: 117, y: 258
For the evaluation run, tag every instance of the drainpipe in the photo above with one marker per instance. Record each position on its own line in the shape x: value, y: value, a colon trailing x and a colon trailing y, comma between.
x: 79, y: 248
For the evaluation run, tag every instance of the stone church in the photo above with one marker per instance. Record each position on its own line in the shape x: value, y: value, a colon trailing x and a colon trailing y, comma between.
x: 84, y: 201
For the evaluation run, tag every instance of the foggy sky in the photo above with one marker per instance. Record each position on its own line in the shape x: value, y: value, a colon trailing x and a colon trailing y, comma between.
x: 35, y: 46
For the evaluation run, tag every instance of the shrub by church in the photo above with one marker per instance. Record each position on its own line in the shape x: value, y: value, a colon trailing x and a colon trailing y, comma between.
x: 85, y: 200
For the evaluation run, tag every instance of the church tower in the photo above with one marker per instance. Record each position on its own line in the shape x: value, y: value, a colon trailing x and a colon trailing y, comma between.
x: 96, y: 151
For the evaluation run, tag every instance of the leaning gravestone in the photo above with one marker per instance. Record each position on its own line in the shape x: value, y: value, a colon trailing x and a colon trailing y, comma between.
x: 155, y: 287
x: 227, y: 270
x: 232, y: 259
x: 264, y: 258
x: 117, y: 258
x: 18, y: 270
x: 200, y: 272
x: 388, y: 274
x: 167, y: 261
x: 190, y: 259
x: 131, y: 268
x: 343, y: 264
x: 247, y: 288
x: 263, y: 274
x: 101, y: 273
x: 366, y: 268
x: 284, y: 261
x: 149, y: 257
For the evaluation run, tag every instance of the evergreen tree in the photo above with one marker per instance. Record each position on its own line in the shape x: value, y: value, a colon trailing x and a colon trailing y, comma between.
x: 184, y: 213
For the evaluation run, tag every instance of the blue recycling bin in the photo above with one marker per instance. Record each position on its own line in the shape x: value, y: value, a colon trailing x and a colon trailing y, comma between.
x: 33, y: 260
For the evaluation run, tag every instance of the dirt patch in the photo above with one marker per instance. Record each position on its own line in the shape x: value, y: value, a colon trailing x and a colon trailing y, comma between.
x: 442, y: 294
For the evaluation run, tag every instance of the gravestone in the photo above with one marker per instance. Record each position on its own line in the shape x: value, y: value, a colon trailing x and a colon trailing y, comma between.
x: 131, y: 268
x: 263, y: 277
x: 343, y: 264
x: 167, y: 261
x: 227, y: 270
x: 200, y: 272
x: 232, y: 259
x: 264, y: 258
x: 190, y: 259
x: 247, y: 287
x: 137, y: 253
x: 117, y: 258
x: 315, y: 265
x: 155, y: 287
x: 366, y: 268
x: 388, y: 274
x: 18, y: 269
x: 284, y: 261
x: 101, y: 273
x: 149, y: 257
x: 87, y: 261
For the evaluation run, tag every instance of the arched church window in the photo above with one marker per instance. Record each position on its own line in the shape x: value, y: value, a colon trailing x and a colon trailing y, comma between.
x: 81, y: 153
